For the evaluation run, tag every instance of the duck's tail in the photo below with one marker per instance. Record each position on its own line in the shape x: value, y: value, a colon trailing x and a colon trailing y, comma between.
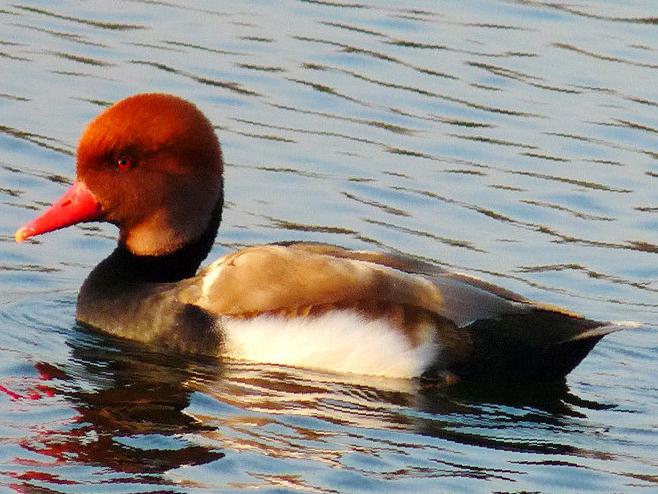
x: 543, y: 344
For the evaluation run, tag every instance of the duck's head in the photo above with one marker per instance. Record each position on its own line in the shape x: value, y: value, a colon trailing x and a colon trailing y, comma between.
x: 150, y: 164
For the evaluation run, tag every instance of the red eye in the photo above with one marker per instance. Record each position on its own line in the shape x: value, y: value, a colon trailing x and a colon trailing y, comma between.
x: 125, y: 163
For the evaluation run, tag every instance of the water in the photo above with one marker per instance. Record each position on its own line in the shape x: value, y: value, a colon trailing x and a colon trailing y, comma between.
x: 515, y: 141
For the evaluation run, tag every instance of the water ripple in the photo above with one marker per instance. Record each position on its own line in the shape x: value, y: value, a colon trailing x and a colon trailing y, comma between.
x: 96, y: 24
x: 232, y: 86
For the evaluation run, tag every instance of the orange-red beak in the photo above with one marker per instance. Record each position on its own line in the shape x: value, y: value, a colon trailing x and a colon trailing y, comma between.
x: 77, y: 204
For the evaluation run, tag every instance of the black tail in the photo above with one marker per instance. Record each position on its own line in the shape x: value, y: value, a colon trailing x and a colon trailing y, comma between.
x: 543, y: 344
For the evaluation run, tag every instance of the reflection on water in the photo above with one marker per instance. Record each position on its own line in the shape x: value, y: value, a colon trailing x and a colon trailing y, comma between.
x: 513, y: 140
x: 136, y: 414
x: 114, y: 412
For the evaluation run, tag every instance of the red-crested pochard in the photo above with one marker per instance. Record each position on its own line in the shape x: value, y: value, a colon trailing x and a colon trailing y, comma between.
x: 152, y: 165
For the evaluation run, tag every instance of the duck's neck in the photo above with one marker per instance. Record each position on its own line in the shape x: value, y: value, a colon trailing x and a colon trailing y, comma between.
x: 178, y: 265
x: 135, y: 296
x: 167, y: 268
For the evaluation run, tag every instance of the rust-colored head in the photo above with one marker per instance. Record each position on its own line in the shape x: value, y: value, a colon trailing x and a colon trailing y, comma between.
x: 153, y: 164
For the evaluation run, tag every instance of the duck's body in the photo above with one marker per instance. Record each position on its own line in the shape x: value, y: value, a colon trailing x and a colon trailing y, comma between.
x: 152, y: 165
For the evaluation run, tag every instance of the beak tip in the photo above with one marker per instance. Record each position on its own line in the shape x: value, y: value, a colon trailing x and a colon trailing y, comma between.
x: 21, y: 235
x: 76, y: 205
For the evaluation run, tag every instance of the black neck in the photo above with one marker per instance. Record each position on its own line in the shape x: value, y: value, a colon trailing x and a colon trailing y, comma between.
x: 180, y: 264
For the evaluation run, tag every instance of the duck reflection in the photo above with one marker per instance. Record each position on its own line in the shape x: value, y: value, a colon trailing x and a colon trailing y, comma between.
x: 141, y: 414
x: 135, y: 393
x: 129, y: 420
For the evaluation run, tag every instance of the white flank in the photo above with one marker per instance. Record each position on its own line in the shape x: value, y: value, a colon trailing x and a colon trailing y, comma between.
x: 339, y: 341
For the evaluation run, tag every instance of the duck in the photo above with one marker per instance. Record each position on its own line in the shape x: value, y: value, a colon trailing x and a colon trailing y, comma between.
x: 152, y: 165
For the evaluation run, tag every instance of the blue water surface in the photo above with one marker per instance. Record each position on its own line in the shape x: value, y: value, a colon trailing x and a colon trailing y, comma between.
x: 511, y: 140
